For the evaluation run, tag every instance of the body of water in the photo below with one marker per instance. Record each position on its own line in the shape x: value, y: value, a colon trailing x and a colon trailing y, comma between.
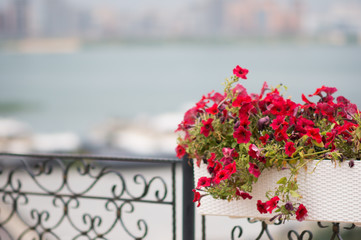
x: 76, y: 91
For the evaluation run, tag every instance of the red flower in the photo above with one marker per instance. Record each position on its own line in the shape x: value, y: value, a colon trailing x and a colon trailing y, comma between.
x: 261, y: 207
x: 278, y: 122
x: 211, y: 161
x: 328, y: 90
x: 180, y: 151
x: 207, y: 127
x: 308, y: 102
x: 197, y: 197
x: 262, y: 159
x: 253, y: 151
x: 281, y: 134
x: 289, y: 148
x: 240, y: 72
x: 217, y: 97
x: 240, y: 100
x: 264, y: 139
x: 203, y: 182
x: 243, y: 121
x: 213, y: 110
x: 278, y: 107
x: 272, y: 203
x: 190, y: 116
x: 221, y: 175
x: 217, y: 168
x: 227, y: 152
x: 254, y: 170
x: 330, y: 139
x: 314, y: 133
x: 242, y: 135
x: 235, y: 154
x: 243, y: 194
x: 264, y: 88
x: 231, y: 168
x: 239, y: 90
x: 301, y: 213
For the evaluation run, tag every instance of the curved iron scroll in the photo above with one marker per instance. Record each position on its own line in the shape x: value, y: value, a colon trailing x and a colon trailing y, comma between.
x: 237, y: 231
x: 69, y: 184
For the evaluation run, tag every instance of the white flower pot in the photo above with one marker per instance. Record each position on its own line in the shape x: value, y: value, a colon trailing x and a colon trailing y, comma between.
x: 330, y: 194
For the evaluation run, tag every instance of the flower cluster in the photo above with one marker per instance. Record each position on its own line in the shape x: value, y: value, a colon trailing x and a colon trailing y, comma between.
x: 239, y: 135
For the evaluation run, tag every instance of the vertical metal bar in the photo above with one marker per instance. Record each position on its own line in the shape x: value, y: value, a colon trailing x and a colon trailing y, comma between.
x: 174, y: 201
x: 203, y: 227
x: 188, y: 205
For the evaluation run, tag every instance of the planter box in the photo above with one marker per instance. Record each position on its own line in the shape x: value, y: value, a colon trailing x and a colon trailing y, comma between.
x: 330, y: 194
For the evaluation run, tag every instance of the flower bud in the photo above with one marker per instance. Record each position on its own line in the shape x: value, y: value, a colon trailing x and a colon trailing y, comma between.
x: 263, y: 122
x: 236, y: 125
x: 351, y: 163
x: 289, y: 206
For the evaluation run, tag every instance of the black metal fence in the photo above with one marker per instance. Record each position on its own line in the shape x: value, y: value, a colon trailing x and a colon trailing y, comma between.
x: 87, y: 197
x: 97, y: 197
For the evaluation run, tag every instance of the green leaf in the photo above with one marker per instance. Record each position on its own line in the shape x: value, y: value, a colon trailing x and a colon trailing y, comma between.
x: 321, y: 145
x: 295, y: 194
x: 282, y: 181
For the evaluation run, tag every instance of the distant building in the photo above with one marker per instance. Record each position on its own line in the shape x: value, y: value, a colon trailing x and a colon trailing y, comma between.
x: 14, y: 19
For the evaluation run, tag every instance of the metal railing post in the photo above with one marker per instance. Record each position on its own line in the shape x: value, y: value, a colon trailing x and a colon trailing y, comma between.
x: 188, y: 205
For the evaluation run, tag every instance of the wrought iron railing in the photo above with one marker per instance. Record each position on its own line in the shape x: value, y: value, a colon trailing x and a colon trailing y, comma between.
x: 84, y: 197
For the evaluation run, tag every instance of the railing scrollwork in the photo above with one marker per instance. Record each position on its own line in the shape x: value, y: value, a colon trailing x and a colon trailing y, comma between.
x: 67, y: 185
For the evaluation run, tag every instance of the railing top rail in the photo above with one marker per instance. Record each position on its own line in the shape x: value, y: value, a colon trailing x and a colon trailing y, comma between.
x: 96, y: 157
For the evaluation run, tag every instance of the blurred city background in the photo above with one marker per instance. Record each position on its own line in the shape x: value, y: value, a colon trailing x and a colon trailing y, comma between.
x: 115, y: 77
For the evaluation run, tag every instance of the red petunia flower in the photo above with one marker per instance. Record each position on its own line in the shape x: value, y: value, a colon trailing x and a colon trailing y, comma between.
x: 227, y: 153
x: 245, y: 110
x: 191, y: 115
x: 314, y: 133
x: 239, y: 90
x: 231, y: 168
x: 330, y: 139
x: 213, y: 110
x: 328, y: 90
x: 242, y: 135
x: 240, y: 72
x: 217, y: 97
x: 254, y: 170
x: 278, y: 122
x: 180, y: 150
x: 240, y: 100
x: 235, y: 154
x: 262, y: 159
x: 203, y: 182
x: 207, y: 127
x: 243, y: 194
x: 264, y: 88
x: 197, y: 197
x: 264, y: 139
x: 221, y: 175
x: 272, y: 203
x: 281, y: 134
x: 244, y: 121
x: 261, y: 207
x: 308, y: 102
x: 289, y: 148
x: 211, y: 161
x: 217, y: 168
x: 253, y: 151
x: 301, y: 213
